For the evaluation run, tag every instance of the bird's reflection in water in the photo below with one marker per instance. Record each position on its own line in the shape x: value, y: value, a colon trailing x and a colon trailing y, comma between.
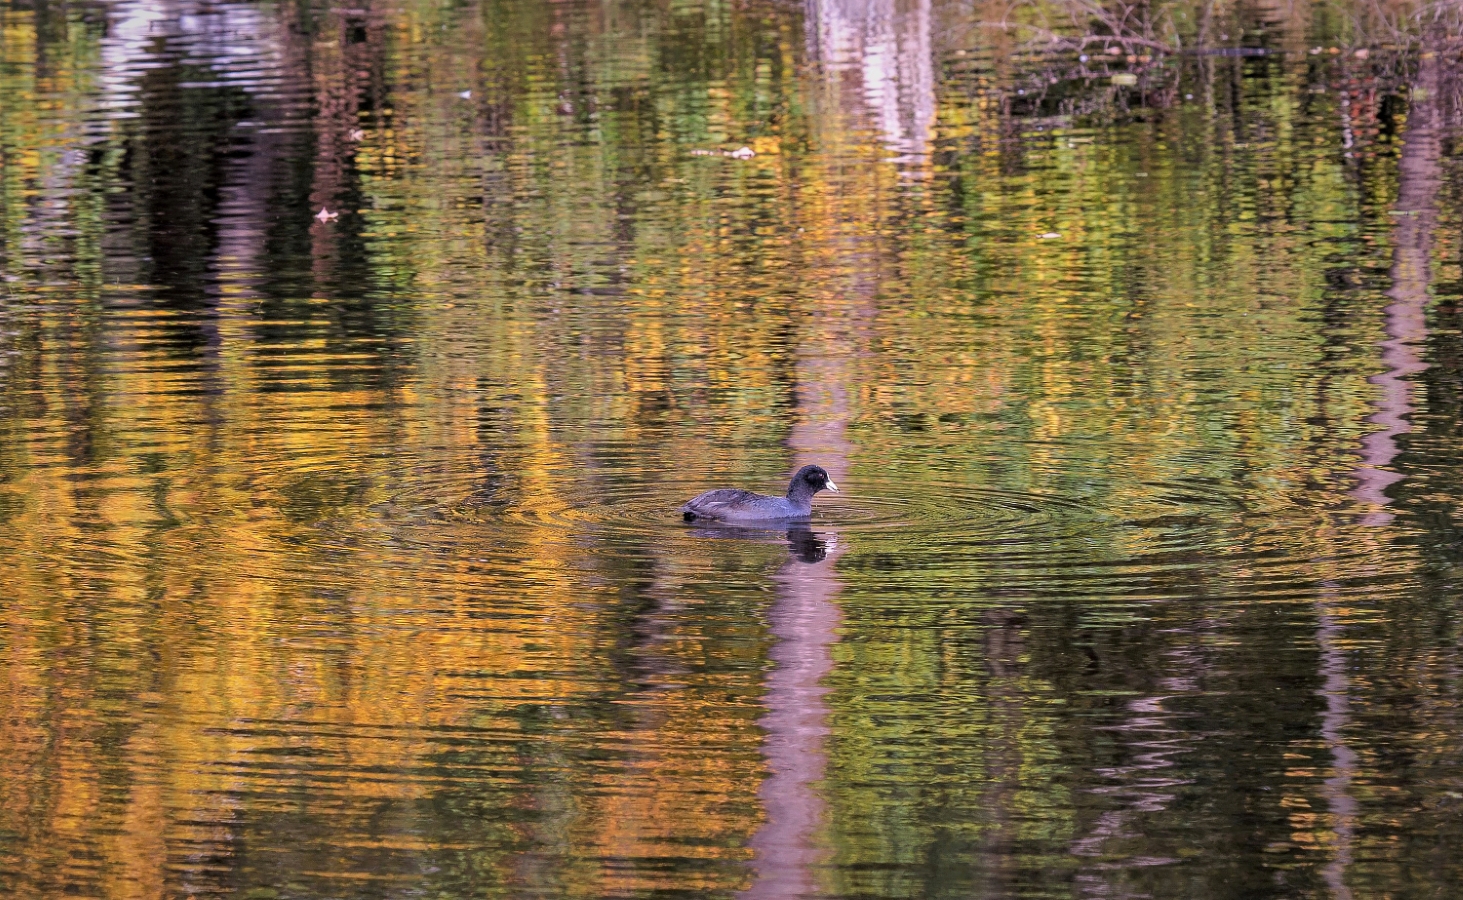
x: 803, y: 543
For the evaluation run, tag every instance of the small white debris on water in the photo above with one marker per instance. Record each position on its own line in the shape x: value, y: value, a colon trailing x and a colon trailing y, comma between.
x: 325, y: 215
x: 1051, y: 235
x: 741, y: 153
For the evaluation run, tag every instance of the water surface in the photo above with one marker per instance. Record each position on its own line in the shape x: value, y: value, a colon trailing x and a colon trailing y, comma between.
x: 354, y: 361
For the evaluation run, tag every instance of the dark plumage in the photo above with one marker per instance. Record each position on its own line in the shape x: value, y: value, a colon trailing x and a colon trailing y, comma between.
x: 733, y: 505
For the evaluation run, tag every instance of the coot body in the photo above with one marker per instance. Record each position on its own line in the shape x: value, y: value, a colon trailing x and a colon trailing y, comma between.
x: 734, y: 505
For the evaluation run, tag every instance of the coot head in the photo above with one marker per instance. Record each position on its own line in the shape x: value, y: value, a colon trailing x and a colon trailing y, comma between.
x: 815, y: 477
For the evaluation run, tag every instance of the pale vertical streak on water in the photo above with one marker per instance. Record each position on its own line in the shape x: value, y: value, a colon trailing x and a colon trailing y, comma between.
x: 789, y: 846
x: 1406, y: 314
x: 887, y: 43
x: 1406, y: 334
x: 804, y: 619
x: 1335, y: 688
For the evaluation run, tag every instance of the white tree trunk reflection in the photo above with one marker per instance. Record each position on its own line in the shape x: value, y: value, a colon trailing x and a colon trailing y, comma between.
x: 887, y: 42
x: 1406, y: 318
x: 804, y: 620
x: 1406, y: 328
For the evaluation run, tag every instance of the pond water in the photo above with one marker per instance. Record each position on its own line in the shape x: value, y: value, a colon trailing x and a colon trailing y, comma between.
x: 355, y: 360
